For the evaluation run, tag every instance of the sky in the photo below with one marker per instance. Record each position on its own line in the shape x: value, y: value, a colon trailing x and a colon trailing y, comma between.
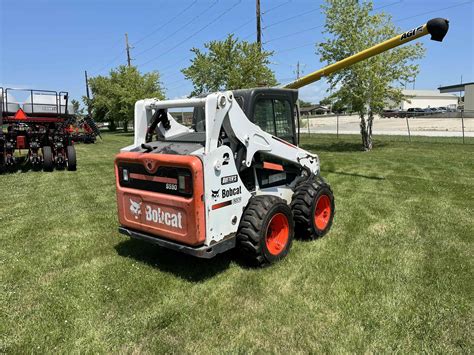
x: 48, y: 44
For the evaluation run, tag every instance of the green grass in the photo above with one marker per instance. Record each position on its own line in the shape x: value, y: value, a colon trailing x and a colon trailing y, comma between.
x: 394, y: 274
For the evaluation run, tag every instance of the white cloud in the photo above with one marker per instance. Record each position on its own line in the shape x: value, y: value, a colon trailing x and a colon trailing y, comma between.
x: 314, y: 92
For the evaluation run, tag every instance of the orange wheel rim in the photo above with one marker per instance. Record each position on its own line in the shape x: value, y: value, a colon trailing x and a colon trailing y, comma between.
x: 278, y: 233
x: 322, y: 214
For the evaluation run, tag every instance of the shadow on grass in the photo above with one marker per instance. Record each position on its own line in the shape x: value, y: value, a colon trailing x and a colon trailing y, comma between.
x: 339, y: 146
x: 355, y: 175
x: 117, y: 133
x: 185, y: 266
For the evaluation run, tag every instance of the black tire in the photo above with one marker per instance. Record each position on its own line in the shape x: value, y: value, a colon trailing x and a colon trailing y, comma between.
x: 303, y: 205
x: 48, y: 164
x: 261, y: 212
x: 71, y: 158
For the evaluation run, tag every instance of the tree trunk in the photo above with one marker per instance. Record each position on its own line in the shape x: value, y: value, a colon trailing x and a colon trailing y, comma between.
x: 112, y: 126
x: 125, y: 126
x: 366, y: 130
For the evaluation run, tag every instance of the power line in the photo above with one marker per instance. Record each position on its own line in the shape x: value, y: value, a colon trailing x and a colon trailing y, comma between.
x: 433, y: 11
x: 110, y: 62
x: 193, y: 34
x: 397, y: 20
x: 387, y: 5
x: 291, y: 18
x: 275, y: 7
x: 293, y: 34
x: 165, y: 69
x: 293, y: 48
x: 165, y: 24
x: 377, y: 8
x: 238, y: 28
x: 180, y: 28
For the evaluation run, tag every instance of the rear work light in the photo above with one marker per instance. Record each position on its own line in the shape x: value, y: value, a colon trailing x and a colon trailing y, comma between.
x: 185, y: 182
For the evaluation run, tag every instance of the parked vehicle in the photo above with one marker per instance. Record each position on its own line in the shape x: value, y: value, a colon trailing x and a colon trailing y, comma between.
x: 415, y: 112
x: 391, y: 113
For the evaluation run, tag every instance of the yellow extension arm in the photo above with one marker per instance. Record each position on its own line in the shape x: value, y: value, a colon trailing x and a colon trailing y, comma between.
x: 437, y: 27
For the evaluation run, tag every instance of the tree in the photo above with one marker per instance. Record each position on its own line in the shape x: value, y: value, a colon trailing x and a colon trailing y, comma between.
x: 114, y: 96
x: 229, y: 64
x: 326, y: 101
x: 305, y: 103
x: 366, y: 86
x: 76, y: 106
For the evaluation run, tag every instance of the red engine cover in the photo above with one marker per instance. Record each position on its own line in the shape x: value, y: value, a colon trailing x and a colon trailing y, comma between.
x: 165, y: 215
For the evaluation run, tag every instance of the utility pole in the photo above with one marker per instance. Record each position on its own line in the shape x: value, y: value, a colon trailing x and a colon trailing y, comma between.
x: 259, y: 26
x: 298, y: 70
x: 127, y: 46
x: 87, y: 94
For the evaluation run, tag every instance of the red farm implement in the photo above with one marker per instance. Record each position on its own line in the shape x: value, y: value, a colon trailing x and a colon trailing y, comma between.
x: 33, y: 133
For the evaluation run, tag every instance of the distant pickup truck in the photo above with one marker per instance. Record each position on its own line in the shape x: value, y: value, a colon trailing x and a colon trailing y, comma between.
x: 393, y: 113
x: 415, y: 112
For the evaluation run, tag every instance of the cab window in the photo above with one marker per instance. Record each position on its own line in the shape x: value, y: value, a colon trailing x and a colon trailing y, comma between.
x: 274, y: 117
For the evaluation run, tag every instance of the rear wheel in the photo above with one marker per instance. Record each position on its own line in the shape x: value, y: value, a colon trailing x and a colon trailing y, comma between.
x: 313, y: 209
x: 266, y: 230
x: 47, y: 158
x: 71, y: 158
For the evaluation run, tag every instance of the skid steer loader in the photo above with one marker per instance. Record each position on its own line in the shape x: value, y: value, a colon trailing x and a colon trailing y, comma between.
x: 236, y: 177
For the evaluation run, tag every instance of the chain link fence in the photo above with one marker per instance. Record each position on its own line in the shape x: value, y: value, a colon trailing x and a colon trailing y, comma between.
x: 411, y: 124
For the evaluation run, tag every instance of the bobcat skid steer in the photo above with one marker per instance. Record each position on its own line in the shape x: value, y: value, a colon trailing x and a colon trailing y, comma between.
x: 236, y: 177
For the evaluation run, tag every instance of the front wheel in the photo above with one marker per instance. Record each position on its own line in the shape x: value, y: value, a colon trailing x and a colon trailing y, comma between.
x: 313, y: 209
x: 266, y: 230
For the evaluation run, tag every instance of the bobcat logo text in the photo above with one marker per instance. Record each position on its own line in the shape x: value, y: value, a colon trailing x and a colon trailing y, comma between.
x: 159, y: 216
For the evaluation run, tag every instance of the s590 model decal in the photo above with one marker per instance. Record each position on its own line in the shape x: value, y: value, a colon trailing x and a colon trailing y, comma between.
x: 169, y: 219
x: 228, y: 179
x: 411, y: 33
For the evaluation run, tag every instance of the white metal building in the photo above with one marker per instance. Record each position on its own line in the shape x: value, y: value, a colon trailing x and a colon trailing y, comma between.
x: 427, y: 98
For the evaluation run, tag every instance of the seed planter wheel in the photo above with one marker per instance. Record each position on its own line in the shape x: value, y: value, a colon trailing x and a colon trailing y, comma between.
x: 48, y: 163
x: 71, y: 158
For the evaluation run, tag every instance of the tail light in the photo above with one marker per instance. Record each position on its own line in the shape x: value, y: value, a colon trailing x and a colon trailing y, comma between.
x: 185, y: 183
x: 125, y: 174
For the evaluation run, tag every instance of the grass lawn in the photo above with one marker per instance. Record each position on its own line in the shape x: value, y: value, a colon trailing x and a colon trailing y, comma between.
x: 394, y: 274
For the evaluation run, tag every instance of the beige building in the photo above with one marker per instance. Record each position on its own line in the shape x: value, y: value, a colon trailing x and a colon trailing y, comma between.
x: 467, y: 88
x: 426, y: 98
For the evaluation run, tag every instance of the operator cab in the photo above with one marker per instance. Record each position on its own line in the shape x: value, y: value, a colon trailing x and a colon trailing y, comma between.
x: 272, y: 109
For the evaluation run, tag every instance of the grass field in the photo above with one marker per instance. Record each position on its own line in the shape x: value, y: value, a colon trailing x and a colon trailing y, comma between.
x: 394, y: 274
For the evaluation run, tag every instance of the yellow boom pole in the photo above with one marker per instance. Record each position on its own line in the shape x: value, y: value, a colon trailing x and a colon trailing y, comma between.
x: 437, y: 27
